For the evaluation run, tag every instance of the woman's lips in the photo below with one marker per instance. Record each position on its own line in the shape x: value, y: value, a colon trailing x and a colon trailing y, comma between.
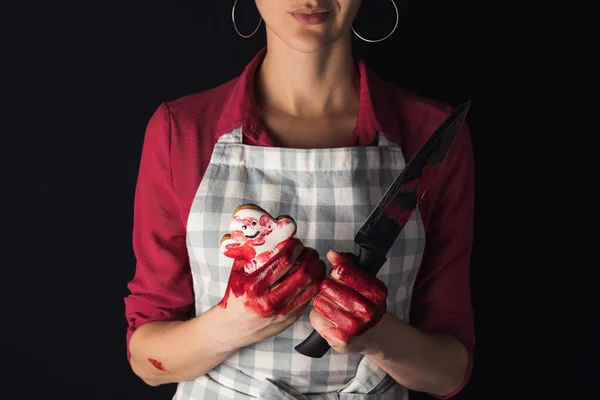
x: 311, y: 17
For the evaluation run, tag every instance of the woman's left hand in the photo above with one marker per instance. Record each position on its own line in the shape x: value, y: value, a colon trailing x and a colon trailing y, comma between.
x: 349, y: 303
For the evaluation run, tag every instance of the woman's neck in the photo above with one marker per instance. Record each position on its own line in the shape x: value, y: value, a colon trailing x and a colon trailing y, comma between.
x: 308, y: 86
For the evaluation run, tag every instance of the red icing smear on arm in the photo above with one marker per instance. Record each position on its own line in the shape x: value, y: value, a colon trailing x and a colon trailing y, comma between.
x: 157, y: 364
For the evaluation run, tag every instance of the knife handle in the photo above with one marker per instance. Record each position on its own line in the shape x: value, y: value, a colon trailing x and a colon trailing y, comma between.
x: 315, y: 345
x: 370, y: 261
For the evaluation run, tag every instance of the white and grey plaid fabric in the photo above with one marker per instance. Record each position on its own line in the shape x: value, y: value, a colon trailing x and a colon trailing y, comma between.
x: 330, y: 193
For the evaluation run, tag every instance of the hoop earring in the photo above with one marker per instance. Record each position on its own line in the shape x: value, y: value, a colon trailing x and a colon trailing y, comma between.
x: 235, y: 25
x: 390, y: 34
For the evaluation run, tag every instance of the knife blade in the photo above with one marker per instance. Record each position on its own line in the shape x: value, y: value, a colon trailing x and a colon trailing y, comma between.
x: 383, y: 226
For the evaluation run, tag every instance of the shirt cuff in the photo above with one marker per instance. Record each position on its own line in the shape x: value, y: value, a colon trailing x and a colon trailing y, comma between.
x: 460, y: 326
x: 469, y: 348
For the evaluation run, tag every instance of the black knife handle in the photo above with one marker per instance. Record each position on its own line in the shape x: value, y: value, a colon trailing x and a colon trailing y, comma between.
x: 370, y: 261
x: 314, y: 345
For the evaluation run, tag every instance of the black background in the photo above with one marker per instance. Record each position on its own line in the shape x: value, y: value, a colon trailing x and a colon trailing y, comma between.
x: 80, y: 81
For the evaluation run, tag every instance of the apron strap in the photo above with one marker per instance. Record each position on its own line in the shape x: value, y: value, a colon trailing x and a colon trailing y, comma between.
x: 235, y: 136
x: 273, y: 390
x: 381, y: 140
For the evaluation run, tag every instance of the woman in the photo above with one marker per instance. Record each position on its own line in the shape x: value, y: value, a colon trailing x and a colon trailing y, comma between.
x: 310, y: 132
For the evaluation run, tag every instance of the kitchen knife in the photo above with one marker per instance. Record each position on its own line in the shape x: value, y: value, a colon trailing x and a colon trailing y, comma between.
x: 386, y: 221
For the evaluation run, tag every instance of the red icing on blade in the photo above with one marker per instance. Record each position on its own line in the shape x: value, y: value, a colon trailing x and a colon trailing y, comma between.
x: 402, y: 215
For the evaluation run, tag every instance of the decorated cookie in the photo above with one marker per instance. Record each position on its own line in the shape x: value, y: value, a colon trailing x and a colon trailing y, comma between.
x: 255, y: 236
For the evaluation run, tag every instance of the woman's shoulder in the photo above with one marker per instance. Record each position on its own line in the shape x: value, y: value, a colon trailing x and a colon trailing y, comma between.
x: 407, y: 117
x: 400, y: 97
x: 200, y: 118
x: 202, y: 105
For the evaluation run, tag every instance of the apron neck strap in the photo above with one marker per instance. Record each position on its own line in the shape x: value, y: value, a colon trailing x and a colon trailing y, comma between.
x: 381, y: 140
x: 236, y: 136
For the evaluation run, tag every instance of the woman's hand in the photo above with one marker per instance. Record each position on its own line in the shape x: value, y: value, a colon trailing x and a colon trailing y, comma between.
x: 349, y: 304
x: 263, y: 303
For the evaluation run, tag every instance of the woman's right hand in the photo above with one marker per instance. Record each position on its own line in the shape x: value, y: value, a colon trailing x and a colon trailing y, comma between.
x: 267, y: 301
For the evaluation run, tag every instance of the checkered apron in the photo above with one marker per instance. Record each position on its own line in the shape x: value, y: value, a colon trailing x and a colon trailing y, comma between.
x: 330, y: 193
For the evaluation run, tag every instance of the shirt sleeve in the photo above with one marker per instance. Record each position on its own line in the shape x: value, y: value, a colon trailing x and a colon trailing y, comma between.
x: 442, y: 297
x: 161, y: 288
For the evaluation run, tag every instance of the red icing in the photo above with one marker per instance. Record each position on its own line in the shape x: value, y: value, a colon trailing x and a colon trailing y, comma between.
x: 157, y: 364
x: 280, y: 285
x: 282, y: 276
x: 243, y: 246
x: 265, y: 256
x: 401, y: 215
x: 240, y: 251
x: 236, y: 281
x: 252, y: 222
x: 266, y: 222
x: 350, y: 298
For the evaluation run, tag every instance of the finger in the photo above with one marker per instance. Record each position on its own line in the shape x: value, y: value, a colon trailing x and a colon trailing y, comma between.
x: 311, y: 266
x: 327, y: 329
x: 336, y: 258
x: 347, y: 325
x: 348, y: 299
x: 317, y: 270
x: 347, y: 273
x: 301, y: 274
x: 297, y: 312
x: 261, y: 279
x: 301, y: 300
x: 310, y: 271
x: 308, y: 254
x: 266, y: 256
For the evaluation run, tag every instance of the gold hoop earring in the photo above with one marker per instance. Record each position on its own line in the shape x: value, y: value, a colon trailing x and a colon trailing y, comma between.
x: 390, y: 34
x: 235, y: 25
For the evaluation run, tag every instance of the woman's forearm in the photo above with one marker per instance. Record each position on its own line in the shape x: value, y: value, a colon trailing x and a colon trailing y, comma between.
x: 176, y: 351
x: 432, y: 363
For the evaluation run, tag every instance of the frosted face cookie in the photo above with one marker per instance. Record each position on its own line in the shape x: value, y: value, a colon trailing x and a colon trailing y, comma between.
x: 255, y: 236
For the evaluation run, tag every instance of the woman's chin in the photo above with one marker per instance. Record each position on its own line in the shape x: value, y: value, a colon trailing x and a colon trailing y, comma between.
x: 310, y: 42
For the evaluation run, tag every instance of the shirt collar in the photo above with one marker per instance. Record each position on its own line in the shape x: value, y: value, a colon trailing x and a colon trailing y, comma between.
x: 241, y: 109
